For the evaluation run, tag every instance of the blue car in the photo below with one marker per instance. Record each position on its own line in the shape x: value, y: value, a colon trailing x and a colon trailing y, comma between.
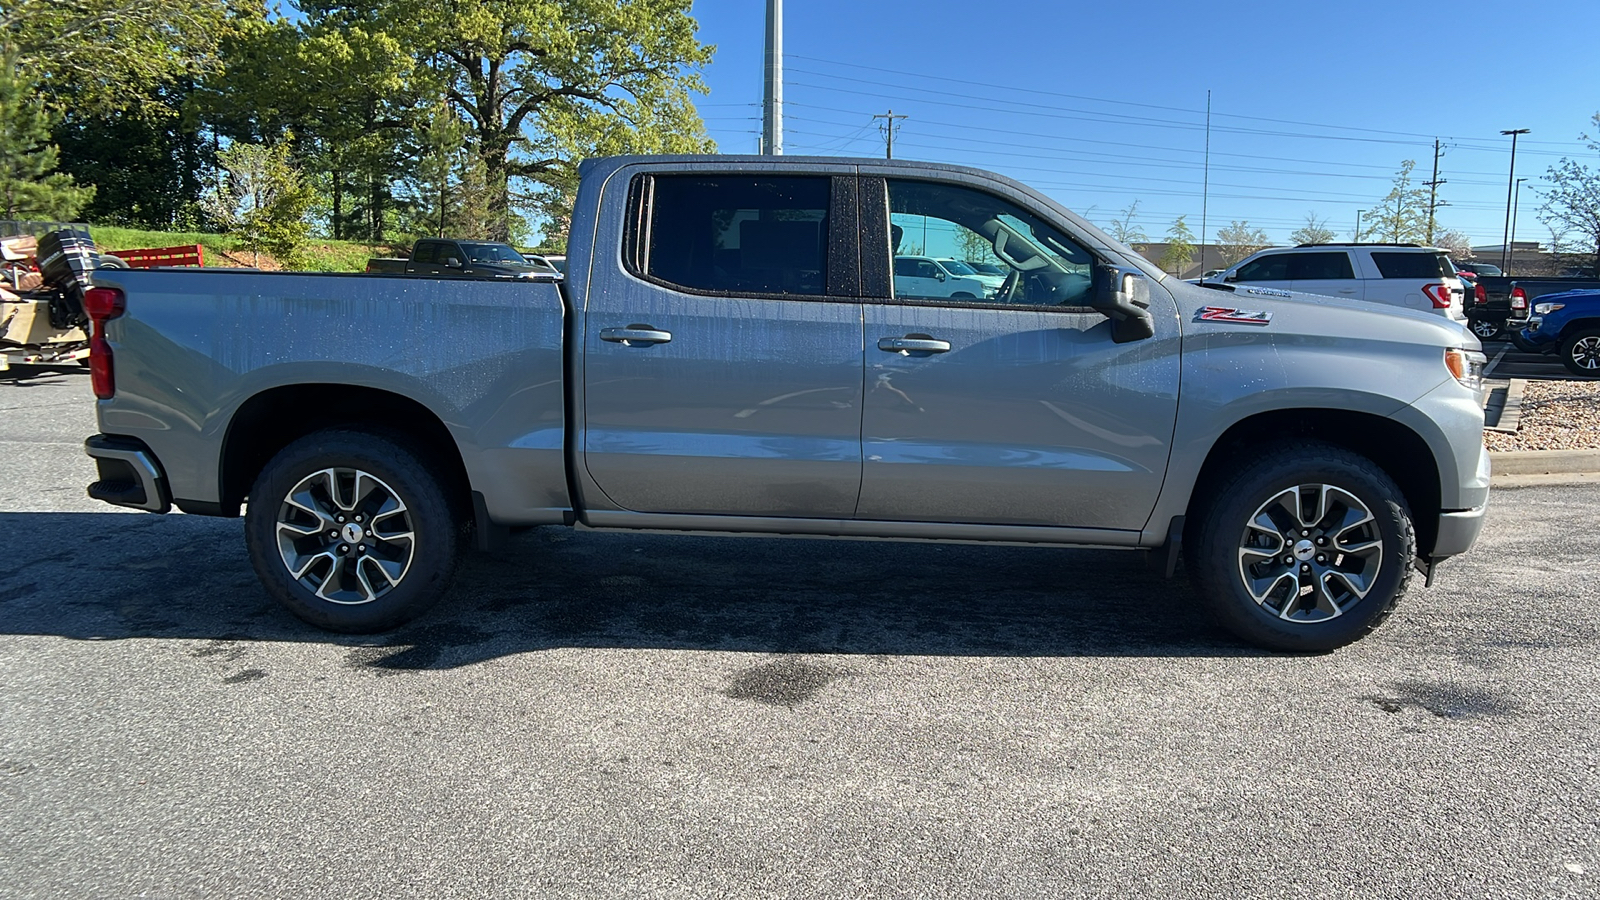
x: 1567, y: 323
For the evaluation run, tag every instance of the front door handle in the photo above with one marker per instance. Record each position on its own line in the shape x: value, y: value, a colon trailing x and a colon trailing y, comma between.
x: 916, y: 344
x: 635, y: 335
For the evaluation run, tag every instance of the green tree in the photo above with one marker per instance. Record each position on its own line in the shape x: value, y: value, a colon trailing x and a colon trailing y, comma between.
x: 104, y: 55
x: 1237, y: 240
x: 1125, y: 230
x: 542, y: 84
x: 30, y: 186
x: 147, y: 161
x: 1314, y: 231
x: 1402, y: 215
x: 263, y: 201
x: 1180, y: 248
x: 1572, y: 204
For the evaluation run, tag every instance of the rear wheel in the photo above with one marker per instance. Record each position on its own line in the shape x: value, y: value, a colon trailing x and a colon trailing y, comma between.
x: 1306, y: 547
x: 1485, y: 329
x: 350, y: 532
x: 1580, y: 353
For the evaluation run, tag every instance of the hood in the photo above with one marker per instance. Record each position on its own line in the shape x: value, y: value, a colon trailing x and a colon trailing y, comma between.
x: 1295, y: 313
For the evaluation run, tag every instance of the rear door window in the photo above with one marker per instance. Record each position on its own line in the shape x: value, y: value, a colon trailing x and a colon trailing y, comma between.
x: 1319, y: 266
x: 426, y: 252
x: 734, y: 234
x: 1426, y: 266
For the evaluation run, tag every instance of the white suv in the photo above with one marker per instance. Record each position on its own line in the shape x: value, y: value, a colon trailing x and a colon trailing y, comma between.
x: 923, y: 277
x: 1398, y: 274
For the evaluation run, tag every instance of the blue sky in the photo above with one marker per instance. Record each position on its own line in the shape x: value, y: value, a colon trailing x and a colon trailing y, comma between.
x: 1100, y: 105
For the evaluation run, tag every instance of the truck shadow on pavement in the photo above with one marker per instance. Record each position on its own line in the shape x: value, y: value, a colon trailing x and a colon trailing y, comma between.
x: 113, y: 576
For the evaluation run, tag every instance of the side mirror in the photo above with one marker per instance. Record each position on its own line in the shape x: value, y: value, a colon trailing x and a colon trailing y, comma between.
x: 941, y: 276
x: 1123, y: 296
x: 453, y: 263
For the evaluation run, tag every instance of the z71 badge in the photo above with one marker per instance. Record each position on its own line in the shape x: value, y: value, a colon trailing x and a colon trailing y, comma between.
x: 1237, y: 316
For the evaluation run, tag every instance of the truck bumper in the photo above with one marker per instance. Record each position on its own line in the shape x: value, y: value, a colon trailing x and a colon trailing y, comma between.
x: 1458, y: 528
x: 130, y: 475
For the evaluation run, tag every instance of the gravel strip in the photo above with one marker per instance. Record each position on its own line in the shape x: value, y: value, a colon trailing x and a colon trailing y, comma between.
x: 1556, y: 415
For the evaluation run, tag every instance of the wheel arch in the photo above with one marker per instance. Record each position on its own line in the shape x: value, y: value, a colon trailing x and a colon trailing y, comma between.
x: 1393, y: 446
x: 276, y: 417
x: 1576, y: 325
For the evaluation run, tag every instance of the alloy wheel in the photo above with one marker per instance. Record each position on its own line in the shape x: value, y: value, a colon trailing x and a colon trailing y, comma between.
x: 345, y: 535
x: 1585, y: 353
x: 1310, y: 553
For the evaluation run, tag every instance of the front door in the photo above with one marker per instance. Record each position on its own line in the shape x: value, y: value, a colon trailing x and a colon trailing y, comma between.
x: 1018, y: 409
x: 722, y: 369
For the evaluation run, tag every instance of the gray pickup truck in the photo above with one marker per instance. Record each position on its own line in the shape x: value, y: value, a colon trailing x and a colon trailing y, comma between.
x: 729, y: 354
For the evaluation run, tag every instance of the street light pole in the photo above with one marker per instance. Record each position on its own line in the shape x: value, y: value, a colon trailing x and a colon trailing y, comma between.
x: 1516, y: 202
x: 1357, y: 238
x: 1505, y: 242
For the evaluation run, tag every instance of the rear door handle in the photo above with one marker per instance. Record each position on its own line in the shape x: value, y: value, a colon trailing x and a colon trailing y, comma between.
x: 913, y: 344
x: 635, y: 335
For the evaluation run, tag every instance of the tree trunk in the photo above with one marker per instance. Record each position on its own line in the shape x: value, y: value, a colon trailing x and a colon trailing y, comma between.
x: 338, y: 204
x: 498, y: 185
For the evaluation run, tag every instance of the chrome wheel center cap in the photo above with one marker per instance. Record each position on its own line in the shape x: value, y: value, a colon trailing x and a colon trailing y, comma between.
x: 353, y: 534
x: 1304, y: 550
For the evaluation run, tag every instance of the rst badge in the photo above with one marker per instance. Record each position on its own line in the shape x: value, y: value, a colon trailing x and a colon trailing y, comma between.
x: 1236, y: 316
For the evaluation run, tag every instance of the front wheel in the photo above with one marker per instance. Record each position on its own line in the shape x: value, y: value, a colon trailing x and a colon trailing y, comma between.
x: 351, y: 532
x: 1580, y: 353
x: 1306, y: 547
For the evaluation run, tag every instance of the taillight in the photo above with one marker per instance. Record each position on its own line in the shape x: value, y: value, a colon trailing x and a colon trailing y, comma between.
x: 1439, y: 294
x: 1481, y: 295
x: 102, y: 305
x: 1519, y: 298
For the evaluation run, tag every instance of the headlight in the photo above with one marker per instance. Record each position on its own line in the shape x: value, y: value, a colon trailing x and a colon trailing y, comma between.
x: 1466, y: 366
x: 1544, y: 309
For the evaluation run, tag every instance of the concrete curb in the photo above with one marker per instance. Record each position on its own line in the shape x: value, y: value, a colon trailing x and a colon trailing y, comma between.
x: 1545, y: 462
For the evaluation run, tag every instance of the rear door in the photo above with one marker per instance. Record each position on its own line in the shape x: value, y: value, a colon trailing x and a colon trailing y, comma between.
x: 1017, y: 409
x: 1326, y: 272
x: 722, y: 347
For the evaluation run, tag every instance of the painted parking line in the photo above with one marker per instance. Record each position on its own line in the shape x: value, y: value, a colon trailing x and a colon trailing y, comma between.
x: 1489, y: 369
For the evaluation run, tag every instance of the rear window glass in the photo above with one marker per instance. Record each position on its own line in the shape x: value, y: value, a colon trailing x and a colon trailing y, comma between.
x: 425, y: 252
x: 738, y: 234
x: 1412, y: 265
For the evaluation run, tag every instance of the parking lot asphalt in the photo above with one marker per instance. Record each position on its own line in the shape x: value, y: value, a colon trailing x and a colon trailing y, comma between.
x: 1506, y: 361
x: 620, y: 715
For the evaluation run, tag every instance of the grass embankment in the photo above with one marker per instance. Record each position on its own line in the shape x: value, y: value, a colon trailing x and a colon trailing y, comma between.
x: 223, y: 250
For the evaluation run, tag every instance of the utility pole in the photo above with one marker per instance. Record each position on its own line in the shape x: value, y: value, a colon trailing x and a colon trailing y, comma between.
x: 888, y: 128
x: 1357, y: 238
x: 772, y: 89
x: 1205, y: 186
x: 1511, y: 182
x: 1433, y: 190
x: 1514, y: 204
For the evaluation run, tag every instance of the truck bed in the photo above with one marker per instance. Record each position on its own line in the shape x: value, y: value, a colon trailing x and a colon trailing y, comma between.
x: 483, y: 357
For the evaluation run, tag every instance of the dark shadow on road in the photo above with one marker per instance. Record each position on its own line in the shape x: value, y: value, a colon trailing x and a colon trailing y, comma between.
x: 34, y: 376
x: 114, y: 576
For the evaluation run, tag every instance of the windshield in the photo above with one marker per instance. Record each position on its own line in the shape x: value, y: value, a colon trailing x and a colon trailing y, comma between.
x: 957, y: 267
x: 494, y: 253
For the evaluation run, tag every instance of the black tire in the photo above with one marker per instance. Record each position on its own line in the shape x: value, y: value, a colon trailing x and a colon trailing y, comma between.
x: 962, y: 295
x: 358, y: 587
x: 1218, y: 561
x: 1580, y: 352
x: 1521, y: 343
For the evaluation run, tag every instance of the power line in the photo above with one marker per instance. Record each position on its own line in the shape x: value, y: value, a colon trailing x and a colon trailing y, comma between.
x: 1179, y: 109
